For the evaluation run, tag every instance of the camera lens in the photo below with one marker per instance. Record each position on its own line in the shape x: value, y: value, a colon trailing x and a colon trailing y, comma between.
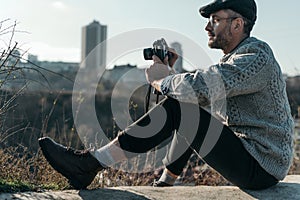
x: 148, y: 53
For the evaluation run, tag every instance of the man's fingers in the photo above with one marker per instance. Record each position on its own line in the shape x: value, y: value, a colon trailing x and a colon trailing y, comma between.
x: 174, y: 57
x: 166, y: 60
x: 156, y: 59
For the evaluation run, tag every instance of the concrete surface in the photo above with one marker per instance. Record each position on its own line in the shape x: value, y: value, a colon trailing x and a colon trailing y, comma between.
x: 289, y: 189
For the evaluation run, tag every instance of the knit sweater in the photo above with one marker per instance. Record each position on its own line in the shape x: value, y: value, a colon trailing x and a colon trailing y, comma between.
x: 245, y: 90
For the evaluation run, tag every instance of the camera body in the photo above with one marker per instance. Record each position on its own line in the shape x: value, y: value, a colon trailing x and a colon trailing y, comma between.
x: 160, y: 49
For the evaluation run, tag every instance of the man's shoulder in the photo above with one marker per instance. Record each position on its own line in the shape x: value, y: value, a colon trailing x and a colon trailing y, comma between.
x: 257, y: 42
x: 252, y: 44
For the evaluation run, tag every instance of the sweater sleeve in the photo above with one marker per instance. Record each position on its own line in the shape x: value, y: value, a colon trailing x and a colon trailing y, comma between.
x: 237, y: 74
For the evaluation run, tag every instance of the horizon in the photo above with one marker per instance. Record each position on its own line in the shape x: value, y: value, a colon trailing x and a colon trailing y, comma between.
x: 55, y: 35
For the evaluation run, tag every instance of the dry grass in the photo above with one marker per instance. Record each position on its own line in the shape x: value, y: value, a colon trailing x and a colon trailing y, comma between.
x: 19, y: 166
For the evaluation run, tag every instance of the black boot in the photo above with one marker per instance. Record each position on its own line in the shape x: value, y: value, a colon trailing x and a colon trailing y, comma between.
x: 79, y: 166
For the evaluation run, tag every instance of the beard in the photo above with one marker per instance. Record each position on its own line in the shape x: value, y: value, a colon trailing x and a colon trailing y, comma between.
x: 221, y: 40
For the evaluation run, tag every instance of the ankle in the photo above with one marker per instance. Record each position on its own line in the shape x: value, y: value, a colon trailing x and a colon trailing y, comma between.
x: 170, y: 173
x: 168, y: 177
x: 110, y: 154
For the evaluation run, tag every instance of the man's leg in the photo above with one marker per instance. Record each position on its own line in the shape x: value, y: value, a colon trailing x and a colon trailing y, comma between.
x: 80, y: 167
x: 227, y: 156
x: 232, y: 161
x: 187, y: 140
x: 143, y: 135
x: 151, y: 129
x: 184, y: 118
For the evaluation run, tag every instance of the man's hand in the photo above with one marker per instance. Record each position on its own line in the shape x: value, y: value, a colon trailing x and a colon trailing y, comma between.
x: 157, y: 72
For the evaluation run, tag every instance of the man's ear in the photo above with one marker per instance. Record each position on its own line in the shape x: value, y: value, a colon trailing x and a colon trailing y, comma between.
x: 238, y: 24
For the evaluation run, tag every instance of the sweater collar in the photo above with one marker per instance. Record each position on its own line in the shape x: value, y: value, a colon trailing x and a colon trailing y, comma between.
x: 242, y: 43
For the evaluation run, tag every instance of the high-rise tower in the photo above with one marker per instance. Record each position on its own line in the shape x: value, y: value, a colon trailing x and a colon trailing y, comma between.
x: 92, y: 35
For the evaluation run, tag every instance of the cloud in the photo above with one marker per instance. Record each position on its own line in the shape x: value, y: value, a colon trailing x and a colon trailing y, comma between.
x: 59, y: 5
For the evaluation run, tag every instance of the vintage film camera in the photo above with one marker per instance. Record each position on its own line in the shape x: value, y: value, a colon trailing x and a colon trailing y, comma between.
x: 160, y: 49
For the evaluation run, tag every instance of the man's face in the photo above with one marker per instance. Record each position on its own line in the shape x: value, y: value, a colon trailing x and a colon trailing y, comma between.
x: 218, y: 29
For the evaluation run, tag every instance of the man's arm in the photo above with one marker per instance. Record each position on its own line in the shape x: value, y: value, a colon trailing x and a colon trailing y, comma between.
x: 240, y: 74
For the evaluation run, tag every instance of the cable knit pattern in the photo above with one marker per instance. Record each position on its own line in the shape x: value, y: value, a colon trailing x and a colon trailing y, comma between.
x: 247, y: 92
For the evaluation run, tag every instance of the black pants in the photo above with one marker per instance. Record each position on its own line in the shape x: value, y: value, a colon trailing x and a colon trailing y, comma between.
x: 197, y: 131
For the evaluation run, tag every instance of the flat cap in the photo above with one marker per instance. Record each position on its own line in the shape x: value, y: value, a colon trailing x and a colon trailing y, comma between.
x: 247, y: 8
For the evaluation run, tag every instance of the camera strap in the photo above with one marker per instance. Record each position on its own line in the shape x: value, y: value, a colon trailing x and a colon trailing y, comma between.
x: 147, y: 99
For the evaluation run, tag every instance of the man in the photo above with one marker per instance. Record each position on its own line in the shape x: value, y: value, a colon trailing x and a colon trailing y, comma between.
x: 246, y: 95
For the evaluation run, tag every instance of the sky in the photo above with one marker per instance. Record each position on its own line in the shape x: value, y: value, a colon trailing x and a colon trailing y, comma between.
x: 51, y: 29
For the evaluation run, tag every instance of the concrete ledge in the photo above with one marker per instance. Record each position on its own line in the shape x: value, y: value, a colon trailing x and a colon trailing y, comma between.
x: 288, y: 189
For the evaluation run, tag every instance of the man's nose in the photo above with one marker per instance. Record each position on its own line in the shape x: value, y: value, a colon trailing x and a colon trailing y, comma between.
x: 208, y: 27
